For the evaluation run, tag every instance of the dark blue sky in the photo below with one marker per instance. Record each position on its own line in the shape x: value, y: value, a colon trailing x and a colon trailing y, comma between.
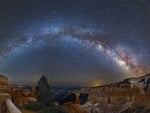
x: 74, y: 42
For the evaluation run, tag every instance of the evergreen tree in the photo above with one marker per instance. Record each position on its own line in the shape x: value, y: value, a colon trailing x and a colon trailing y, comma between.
x: 44, y: 92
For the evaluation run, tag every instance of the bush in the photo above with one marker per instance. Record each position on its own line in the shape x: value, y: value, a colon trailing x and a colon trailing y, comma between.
x: 53, y: 110
x: 139, y: 109
x: 34, y: 106
x: 147, y: 111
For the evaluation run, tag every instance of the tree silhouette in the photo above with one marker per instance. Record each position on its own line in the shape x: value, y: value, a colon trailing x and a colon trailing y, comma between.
x: 44, y: 92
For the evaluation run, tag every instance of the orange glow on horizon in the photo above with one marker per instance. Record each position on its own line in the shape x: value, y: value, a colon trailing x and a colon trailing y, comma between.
x: 97, y: 83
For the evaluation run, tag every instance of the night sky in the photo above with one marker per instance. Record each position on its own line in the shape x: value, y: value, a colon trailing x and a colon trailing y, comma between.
x: 74, y: 42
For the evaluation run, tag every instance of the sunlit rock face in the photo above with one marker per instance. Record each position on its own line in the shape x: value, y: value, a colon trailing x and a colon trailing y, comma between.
x: 3, y: 80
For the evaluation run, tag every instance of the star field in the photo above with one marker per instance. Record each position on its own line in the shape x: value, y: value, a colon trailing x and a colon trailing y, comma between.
x: 74, y: 42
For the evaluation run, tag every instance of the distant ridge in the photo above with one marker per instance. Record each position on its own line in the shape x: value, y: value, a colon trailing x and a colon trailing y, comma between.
x: 145, y: 79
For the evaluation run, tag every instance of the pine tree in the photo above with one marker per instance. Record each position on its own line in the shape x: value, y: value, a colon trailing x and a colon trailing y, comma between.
x: 44, y: 92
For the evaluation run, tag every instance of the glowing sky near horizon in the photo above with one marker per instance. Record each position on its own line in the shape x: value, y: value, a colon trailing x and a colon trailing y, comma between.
x: 74, y: 42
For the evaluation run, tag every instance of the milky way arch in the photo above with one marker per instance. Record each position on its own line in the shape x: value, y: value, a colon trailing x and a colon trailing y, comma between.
x: 84, y: 35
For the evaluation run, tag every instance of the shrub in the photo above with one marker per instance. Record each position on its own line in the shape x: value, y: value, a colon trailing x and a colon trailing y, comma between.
x: 139, y: 109
x: 53, y: 110
x: 147, y: 111
x: 34, y: 106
